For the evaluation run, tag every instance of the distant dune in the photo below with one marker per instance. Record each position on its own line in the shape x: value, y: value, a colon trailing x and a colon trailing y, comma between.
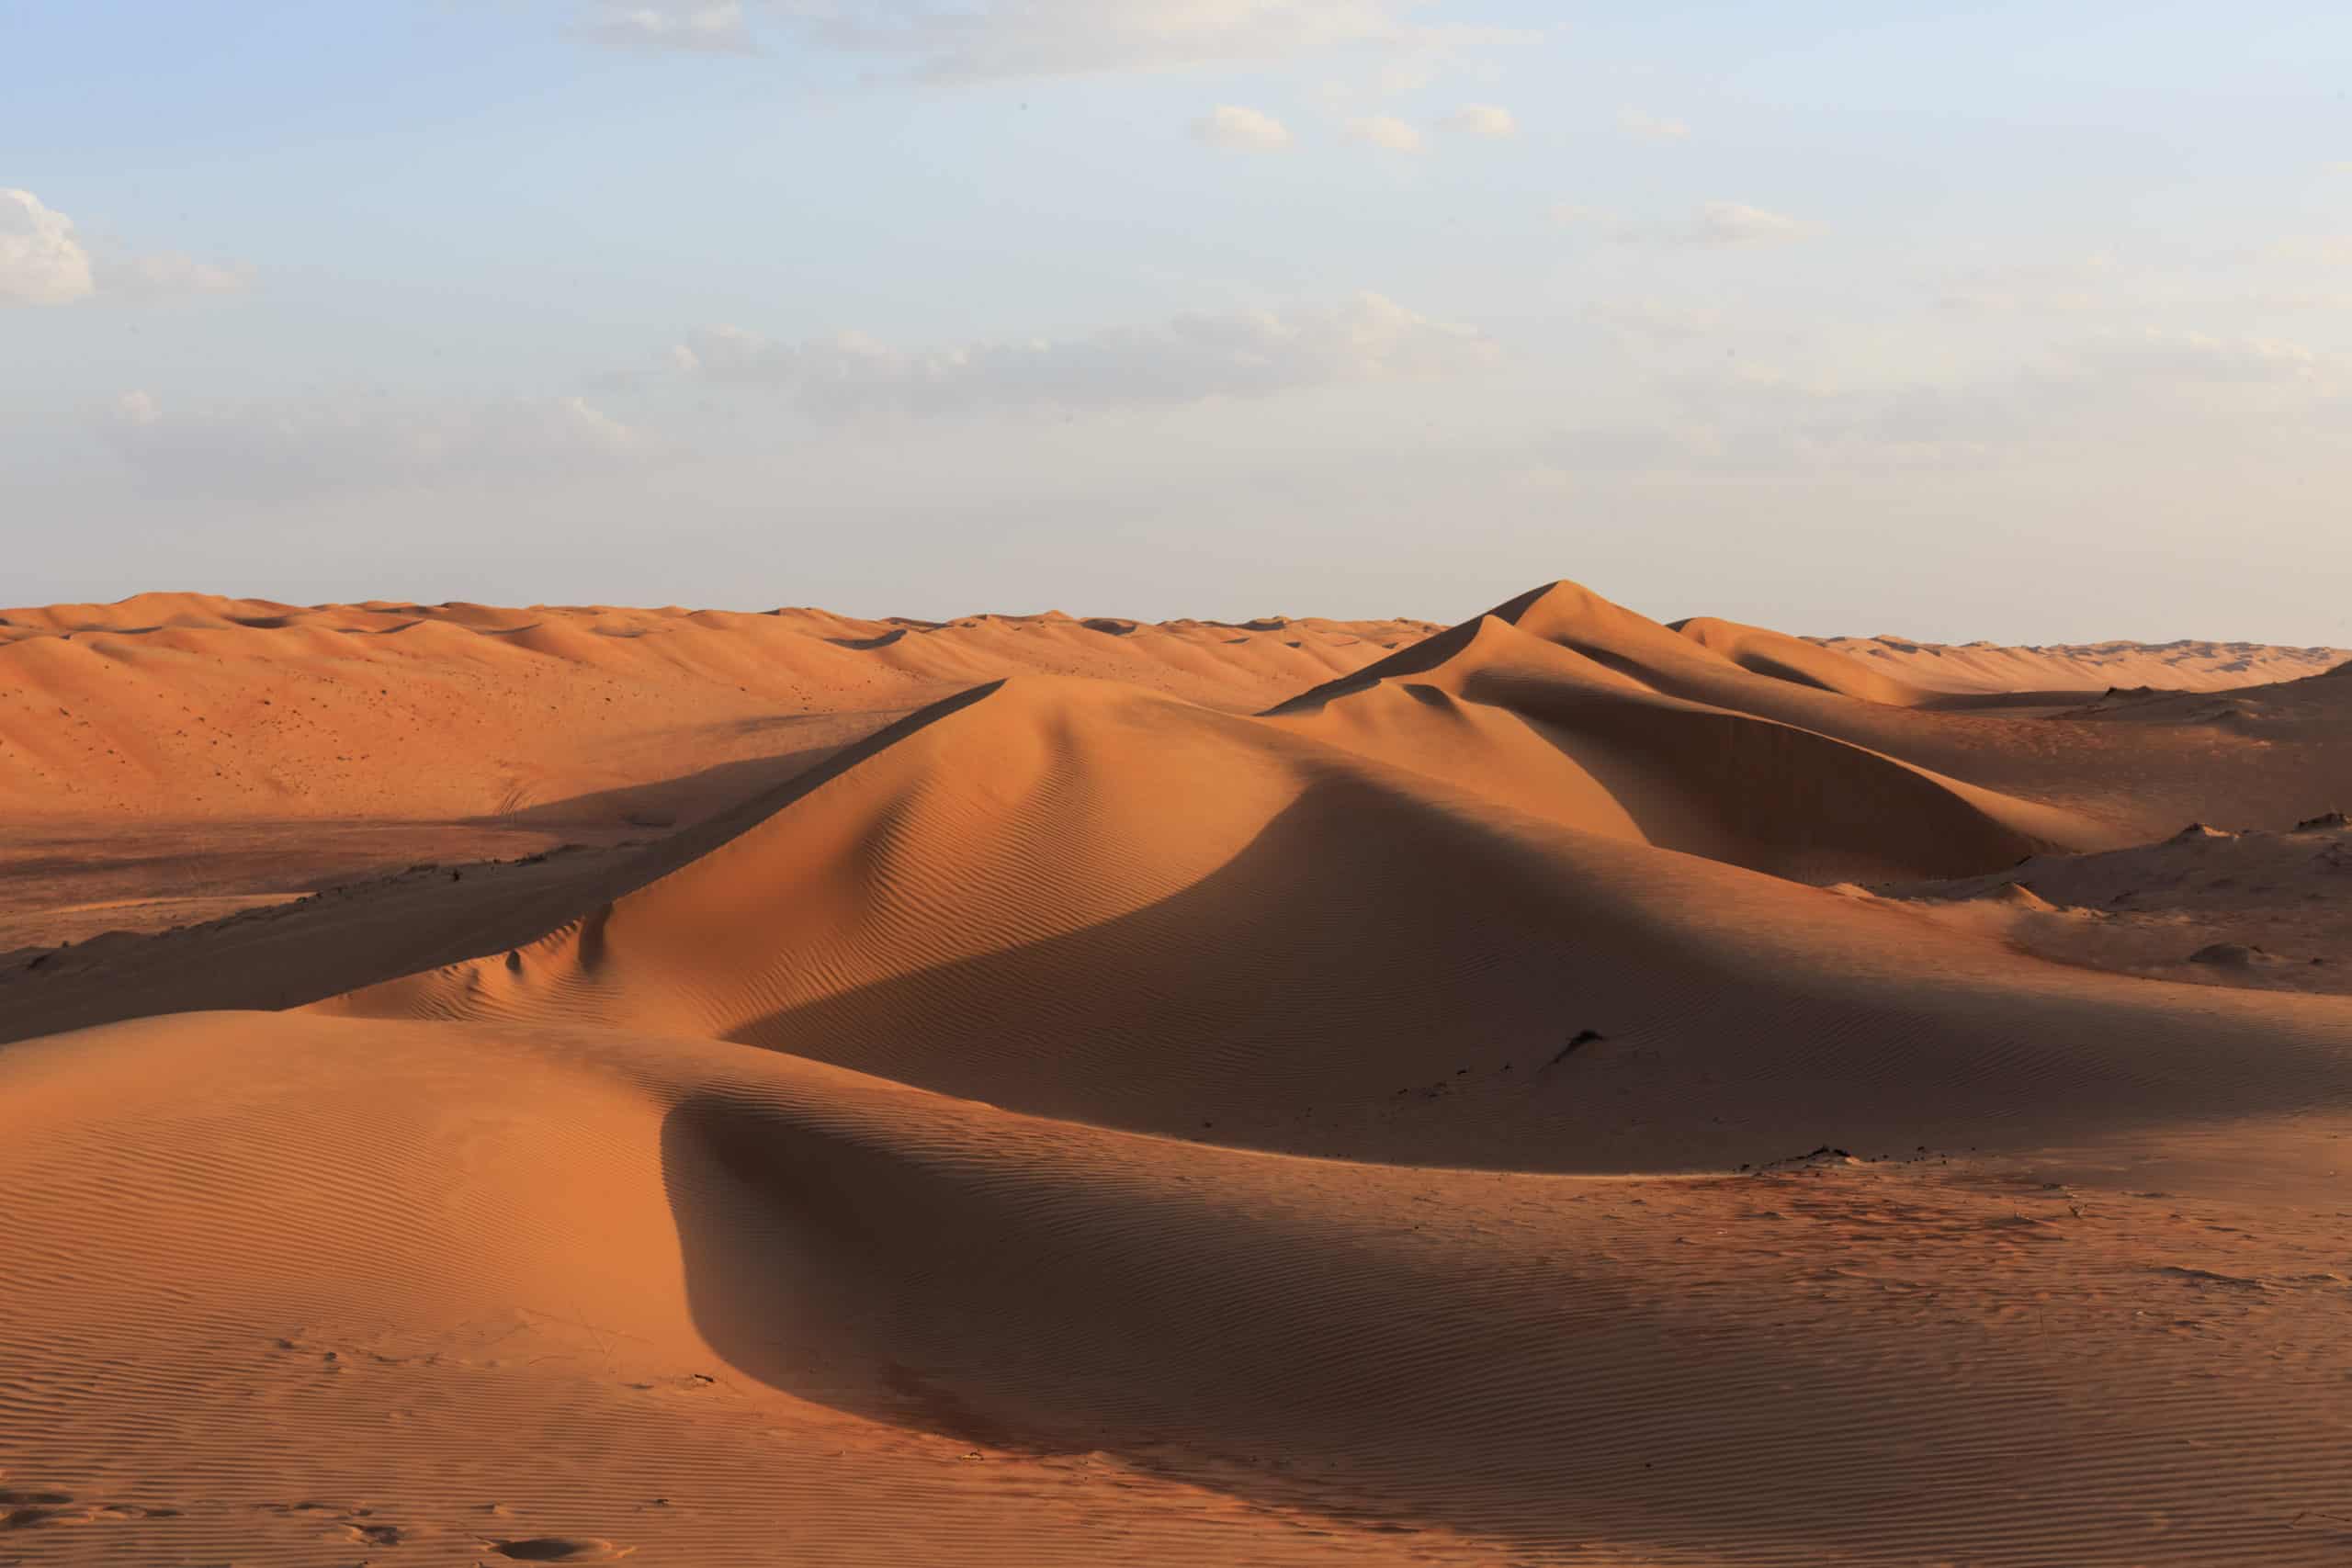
x: 2186, y: 665
x: 1562, y: 1088
x: 186, y: 705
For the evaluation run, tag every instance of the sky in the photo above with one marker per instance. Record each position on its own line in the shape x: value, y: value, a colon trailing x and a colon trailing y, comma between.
x: 2023, y: 321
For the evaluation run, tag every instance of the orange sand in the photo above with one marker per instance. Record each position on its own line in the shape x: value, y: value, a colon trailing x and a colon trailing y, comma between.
x: 1065, y: 1092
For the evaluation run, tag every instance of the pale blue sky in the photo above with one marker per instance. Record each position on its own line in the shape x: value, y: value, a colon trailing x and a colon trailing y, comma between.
x: 2018, y: 322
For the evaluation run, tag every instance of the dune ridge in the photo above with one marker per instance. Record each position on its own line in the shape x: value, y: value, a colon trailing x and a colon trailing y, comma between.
x: 2189, y: 664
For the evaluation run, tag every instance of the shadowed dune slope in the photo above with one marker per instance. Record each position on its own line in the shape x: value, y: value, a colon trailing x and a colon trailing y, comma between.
x: 388, y: 1293
x: 803, y: 1310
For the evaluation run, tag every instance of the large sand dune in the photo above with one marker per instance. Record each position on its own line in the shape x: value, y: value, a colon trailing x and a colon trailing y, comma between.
x: 1456, y: 1106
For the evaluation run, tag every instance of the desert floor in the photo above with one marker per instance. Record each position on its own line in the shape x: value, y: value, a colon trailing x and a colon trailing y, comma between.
x: 580, y: 1083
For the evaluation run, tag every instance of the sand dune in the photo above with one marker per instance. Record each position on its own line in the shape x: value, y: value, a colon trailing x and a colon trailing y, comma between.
x: 1460, y: 1107
x: 2076, y: 780
x: 2186, y: 665
x: 2206, y: 907
x: 1832, y: 667
x: 1553, y: 730
x: 727, y: 1276
x: 207, y: 754
x: 183, y: 704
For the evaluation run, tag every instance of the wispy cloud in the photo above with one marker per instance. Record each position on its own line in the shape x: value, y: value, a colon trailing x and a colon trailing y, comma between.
x: 2200, y: 358
x: 2055, y: 288
x: 1191, y: 358
x: 695, y: 28
x: 1481, y: 119
x: 1645, y: 127
x: 168, y: 272
x: 274, y: 449
x: 1576, y: 215
x: 1655, y: 319
x: 1237, y: 129
x: 999, y: 39
x: 1386, y: 131
x: 2328, y: 249
x: 2110, y: 393
x: 1736, y: 223
x: 1713, y: 224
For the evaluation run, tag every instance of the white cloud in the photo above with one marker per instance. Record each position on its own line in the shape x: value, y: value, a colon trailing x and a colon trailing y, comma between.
x: 1192, y: 359
x: 41, y: 261
x: 692, y: 28
x: 44, y: 262
x: 1481, y: 119
x: 333, y: 444
x: 1385, y: 130
x: 1649, y: 126
x: 1239, y: 129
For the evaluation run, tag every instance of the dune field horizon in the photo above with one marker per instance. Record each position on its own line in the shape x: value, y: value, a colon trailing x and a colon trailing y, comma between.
x: 575, y: 1084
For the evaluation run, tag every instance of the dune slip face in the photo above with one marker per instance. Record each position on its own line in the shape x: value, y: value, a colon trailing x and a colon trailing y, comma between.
x: 1564, y: 1089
